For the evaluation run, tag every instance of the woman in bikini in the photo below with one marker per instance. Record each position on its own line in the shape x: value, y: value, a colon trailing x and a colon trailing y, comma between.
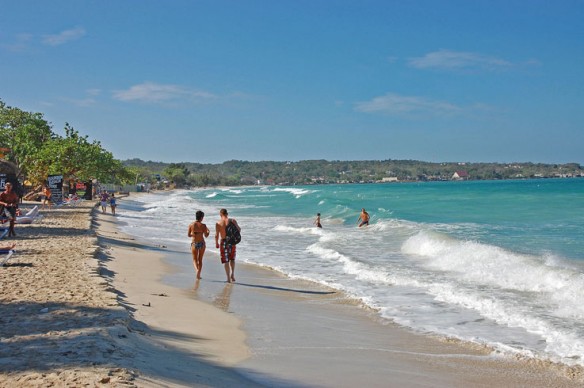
x: 198, y: 231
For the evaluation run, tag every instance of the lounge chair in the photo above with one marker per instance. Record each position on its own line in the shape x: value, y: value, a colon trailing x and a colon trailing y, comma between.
x: 5, y: 255
x: 31, y: 216
x: 74, y: 201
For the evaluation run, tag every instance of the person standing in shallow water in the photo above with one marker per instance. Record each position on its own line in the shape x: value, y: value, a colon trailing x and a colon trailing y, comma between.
x: 363, y: 218
x: 227, y: 250
x: 113, y: 204
x: 317, y: 221
x: 198, y: 231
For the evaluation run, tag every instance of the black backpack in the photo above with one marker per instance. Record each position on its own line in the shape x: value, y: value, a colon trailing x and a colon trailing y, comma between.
x: 232, y: 235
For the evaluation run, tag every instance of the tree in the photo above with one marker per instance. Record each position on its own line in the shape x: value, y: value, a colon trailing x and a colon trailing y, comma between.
x: 76, y: 158
x: 177, y: 173
x: 24, y: 134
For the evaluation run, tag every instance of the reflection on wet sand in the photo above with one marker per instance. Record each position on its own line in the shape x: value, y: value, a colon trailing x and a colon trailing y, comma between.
x: 222, y: 300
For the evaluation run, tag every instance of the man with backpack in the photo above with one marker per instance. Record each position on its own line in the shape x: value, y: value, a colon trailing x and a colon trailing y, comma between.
x: 230, y: 235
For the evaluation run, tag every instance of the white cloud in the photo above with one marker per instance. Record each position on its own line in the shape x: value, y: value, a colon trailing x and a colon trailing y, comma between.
x: 457, y: 60
x: 395, y: 104
x: 392, y: 59
x: 21, y: 43
x: 85, y: 102
x: 64, y: 37
x: 151, y: 92
x: 93, y: 92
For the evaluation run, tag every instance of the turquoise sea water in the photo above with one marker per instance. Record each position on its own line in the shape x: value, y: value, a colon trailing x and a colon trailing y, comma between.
x: 494, y: 262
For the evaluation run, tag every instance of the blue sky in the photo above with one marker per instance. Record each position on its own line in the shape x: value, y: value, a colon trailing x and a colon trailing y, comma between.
x: 209, y: 81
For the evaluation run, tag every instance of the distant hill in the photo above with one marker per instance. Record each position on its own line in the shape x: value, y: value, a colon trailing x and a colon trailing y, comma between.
x: 236, y: 172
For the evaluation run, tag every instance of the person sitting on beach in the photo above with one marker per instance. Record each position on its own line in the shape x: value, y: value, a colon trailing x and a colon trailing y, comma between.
x: 47, y: 197
x: 363, y: 218
x: 317, y: 221
x: 9, y: 200
x: 227, y: 250
x: 198, y: 231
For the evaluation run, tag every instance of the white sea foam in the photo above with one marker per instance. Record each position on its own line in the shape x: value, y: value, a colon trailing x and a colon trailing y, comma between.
x: 490, y: 265
x: 294, y: 191
x: 232, y: 191
x: 441, y: 278
x: 302, y: 230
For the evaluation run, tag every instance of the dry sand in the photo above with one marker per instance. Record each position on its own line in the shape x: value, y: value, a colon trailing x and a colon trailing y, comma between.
x: 85, y: 305
x: 69, y: 318
x: 58, y: 317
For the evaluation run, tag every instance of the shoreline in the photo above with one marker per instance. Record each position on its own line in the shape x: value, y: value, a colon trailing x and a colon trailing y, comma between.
x: 85, y: 304
x: 259, y: 286
x: 181, y: 342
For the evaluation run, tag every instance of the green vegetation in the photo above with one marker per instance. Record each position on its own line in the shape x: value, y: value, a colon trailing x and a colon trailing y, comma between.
x: 28, y: 141
x: 234, y: 173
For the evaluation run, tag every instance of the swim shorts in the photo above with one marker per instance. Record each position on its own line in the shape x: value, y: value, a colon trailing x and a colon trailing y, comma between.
x: 198, y: 245
x: 227, y: 252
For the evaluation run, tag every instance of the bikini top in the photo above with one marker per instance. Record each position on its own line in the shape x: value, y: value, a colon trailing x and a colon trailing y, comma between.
x: 196, y: 232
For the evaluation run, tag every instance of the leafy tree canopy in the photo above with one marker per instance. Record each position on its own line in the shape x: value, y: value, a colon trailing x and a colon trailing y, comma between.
x: 31, y: 144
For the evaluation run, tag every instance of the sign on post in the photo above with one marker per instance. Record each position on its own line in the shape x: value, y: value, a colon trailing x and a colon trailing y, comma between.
x: 55, y: 184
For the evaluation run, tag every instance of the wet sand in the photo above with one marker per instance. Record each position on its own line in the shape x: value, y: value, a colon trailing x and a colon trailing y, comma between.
x: 85, y: 305
x: 303, y: 334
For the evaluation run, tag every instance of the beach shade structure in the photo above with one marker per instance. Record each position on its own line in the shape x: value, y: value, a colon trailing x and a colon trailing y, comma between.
x: 8, y: 168
x: 9, y: 173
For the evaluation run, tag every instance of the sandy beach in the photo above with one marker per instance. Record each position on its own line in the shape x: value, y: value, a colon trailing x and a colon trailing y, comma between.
x: 86, y: 305
x: 72, y: 315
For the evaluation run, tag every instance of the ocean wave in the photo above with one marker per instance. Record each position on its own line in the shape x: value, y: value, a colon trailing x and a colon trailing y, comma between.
x: 298, y: 230
x: 487, y: 264
x: 461, y: 279
x: 295, y: 191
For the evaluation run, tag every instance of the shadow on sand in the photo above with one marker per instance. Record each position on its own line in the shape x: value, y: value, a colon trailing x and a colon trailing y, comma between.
x: 42, y: 337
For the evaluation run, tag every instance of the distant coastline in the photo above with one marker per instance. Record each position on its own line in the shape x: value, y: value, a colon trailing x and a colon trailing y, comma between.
x: 308, y: 172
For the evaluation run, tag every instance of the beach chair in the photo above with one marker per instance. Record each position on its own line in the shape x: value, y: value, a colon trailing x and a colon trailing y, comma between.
x: 5, y: 255
x: 74, y: 201
x: 30, y: 217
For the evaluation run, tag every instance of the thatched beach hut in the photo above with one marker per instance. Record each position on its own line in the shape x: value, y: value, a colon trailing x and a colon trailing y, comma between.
x: 9, y: 172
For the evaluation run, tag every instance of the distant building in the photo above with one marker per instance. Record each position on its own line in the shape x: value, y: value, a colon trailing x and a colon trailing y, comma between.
x: 460, y: 176
x: 389, y: 179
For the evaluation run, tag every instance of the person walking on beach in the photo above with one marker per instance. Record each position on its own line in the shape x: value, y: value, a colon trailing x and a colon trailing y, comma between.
x: 363, y: 218
x: 113, y: 204
x: 47, y: 197
x: 9, y: 200
x: 198, y: 231
x: 317, y: 221
x: 104, y: 197
x: 227, y: 249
